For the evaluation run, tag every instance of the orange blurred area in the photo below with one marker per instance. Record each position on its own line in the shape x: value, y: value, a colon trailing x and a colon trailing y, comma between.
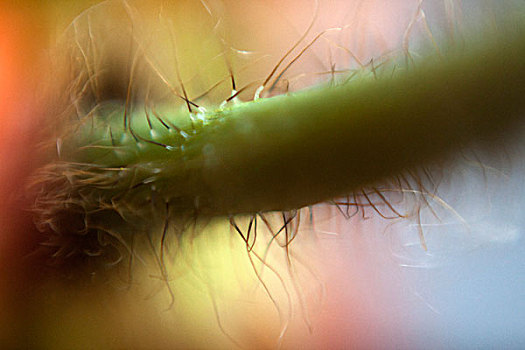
x: 16, y: 47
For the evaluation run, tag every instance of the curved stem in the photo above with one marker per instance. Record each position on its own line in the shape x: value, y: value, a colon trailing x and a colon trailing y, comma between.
x: 299, y: 149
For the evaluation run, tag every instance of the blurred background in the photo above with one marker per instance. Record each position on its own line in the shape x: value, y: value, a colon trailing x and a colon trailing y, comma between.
x: 357, y: 283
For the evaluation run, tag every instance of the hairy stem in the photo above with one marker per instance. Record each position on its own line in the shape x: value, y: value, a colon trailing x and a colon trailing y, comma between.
x: 299, y: 149
x: 291, y: 151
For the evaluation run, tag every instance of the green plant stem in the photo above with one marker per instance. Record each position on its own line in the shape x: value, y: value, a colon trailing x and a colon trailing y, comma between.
x: 292, y: 151
x: 299, y: 149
